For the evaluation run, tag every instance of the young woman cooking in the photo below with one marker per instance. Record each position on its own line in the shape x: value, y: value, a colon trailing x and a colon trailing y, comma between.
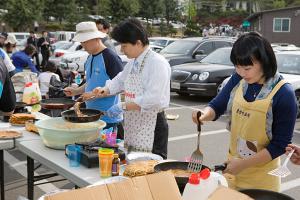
x: 262, y: 112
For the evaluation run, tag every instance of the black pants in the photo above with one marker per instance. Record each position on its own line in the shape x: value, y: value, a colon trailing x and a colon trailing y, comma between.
x: 37, y: 60
x: 161, y: 134
x: 45, y: 55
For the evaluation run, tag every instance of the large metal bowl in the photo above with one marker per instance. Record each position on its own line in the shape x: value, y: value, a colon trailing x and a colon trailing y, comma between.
x: 56, y: 132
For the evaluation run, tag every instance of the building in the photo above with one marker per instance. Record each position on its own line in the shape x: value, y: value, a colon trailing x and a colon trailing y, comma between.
x: 278, y: 25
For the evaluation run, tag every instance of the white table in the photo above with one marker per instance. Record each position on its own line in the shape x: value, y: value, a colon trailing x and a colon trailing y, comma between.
x: 57, y: 161
x: 10, y: 143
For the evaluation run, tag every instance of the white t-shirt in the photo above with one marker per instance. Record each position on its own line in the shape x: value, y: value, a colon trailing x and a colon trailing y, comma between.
x: 44, y: 80
x: 9, y: 65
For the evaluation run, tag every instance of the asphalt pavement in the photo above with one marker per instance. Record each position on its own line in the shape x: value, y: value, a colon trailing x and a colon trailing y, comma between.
x: 214, y: 144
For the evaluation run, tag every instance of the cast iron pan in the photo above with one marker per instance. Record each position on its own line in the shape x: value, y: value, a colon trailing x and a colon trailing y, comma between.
x: 57, y: 103
x: 92, y: 115
x: 259, y: 194
x: 20, y: 107
x: 182, y: 181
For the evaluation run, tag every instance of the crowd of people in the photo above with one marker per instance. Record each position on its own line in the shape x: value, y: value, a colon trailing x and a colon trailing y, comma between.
x: 254, y: 98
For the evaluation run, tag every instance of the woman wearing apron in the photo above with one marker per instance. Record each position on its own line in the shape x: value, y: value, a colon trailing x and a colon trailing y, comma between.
x: 145, y: 82
x: 262, y: 112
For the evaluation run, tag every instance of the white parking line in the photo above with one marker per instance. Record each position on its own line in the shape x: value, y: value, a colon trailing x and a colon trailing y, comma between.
x: 290, y: 184
x: 22, y: 169
x: 296, y: 131
x: 183, y: 137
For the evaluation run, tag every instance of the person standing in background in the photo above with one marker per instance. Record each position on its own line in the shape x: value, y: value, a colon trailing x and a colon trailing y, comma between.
x: 44, y: 45
x: 34, y: 41
x: 104, y: 27
x: 5, y: 61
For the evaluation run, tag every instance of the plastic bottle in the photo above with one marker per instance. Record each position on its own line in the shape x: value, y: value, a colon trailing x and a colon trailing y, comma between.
x: 195, y: 188
x: 115, y: 165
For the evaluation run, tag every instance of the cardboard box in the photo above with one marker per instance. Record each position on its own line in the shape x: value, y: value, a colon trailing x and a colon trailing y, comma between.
x: 159, y: 186
x: 222, y: 193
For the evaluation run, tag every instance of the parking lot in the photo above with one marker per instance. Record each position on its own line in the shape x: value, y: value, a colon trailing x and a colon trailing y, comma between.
x: 182, y: 142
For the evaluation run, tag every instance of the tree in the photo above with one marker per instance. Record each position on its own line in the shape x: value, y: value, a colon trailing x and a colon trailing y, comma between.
x: 171, y: 11
x: 22, y: 13
x: 122, y: 9
x: 60, y: 9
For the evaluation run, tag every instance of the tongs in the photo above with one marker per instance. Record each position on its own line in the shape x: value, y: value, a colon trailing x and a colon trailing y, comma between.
x: 80, y: 99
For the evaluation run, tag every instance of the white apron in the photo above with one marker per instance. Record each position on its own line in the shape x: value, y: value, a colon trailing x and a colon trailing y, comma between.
x: 139, y: 126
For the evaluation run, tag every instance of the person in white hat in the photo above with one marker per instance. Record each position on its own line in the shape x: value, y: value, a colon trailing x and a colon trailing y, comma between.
x: 102, y: 64
x: 10, y: 44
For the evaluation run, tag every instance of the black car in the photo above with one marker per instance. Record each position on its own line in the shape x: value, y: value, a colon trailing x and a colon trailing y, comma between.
x: 204, y: 77
x: 193, y: 49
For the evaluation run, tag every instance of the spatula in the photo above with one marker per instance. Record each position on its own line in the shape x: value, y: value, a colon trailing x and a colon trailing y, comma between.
x: 282, y: 171
x: 195, y: 163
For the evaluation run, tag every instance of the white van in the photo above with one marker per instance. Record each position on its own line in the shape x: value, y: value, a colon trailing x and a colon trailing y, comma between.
x: 20, y: 35
x: 64, y: 35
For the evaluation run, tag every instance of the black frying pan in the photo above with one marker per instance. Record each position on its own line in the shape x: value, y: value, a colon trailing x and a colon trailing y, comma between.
x: 57, y: 103
x: 182, y: 181
x: 92, y: 115
x: 259, y: 194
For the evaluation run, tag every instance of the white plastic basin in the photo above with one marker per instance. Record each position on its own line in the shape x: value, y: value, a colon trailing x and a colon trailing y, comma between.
x: 56, y: 132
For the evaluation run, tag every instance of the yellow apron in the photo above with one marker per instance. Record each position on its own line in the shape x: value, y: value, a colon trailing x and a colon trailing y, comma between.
x: 248, y: 136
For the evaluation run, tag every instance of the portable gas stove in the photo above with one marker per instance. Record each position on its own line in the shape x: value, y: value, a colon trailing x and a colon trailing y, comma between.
x: 89, y: 153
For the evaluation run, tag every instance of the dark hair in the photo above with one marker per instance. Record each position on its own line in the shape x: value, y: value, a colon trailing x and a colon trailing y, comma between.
x: 31, y: 32
x: 4, y: 34
x: 29, y: 49
x: 252, y: 46
x: 50, y: 66
x: 104, y: 23
x: 130, y: 31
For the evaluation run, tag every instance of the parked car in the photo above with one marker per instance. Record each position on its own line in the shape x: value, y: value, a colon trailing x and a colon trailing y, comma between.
x: 288, y: 63
x: 161, y: 41
x: 193, y: 49
x: 64, y: 49
x: 284, y: 47
x: 204, y: 77
x: 75, y: 61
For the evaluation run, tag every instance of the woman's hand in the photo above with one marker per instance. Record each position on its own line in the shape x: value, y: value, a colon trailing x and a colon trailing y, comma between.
x: 234, y: 166
x: 101, y: 92
x: 296, y: 155
x: 69, y: 91
x: 194, y: 117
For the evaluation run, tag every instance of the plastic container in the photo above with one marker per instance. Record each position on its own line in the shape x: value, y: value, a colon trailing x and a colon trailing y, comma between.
x: 56, y: 132
x: 202, y: 184
x: 73, y: 153
x: 105, y: 161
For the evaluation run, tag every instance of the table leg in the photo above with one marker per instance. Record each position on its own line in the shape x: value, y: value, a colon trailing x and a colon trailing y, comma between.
x: 30, y: 178
x: 2, y: 175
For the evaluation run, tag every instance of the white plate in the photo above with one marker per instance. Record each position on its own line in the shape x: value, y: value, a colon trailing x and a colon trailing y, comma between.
x: 141, y: 156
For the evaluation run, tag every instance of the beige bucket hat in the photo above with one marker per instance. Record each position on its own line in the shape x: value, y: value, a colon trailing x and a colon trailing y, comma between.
x: 86, y: 31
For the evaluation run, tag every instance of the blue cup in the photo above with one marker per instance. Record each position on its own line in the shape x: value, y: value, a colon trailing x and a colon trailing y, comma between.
x: 73, y: 152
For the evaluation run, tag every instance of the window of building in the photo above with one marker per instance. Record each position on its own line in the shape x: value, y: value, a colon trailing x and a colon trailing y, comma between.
x: 281, y: 25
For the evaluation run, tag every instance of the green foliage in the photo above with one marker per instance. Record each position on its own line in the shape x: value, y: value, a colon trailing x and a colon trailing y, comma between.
x: 192, y: 29
x: 22, y: 13
x: 122, y: 9
x: 279, y: 4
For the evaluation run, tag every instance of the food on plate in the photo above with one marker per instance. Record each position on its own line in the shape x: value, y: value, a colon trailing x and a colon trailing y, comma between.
x: 6, y: 134
x: 140, y: 168
x: 180, y: 172
x: 31, y: 127
x: 20, y: 118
